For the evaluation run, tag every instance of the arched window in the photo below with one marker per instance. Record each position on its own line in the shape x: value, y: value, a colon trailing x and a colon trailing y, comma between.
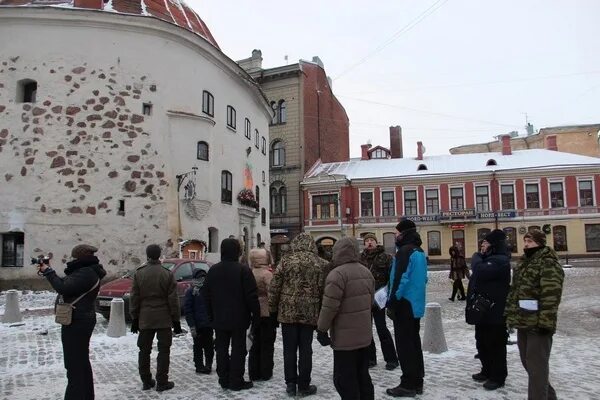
x: 275, y: 109
x: 559, y: 233
x: 257, y: 195
x: 208, y: 103
x: 422, y: 167
x: 226, y: 185
x: 434, y: 243
x: 491, y: 161
x: 263, y: 216
x: 278, y: 193
x: 247, y: 128
x: 213, y: 240
x: 26, y: 91
x: 256, y: 138
x: 278, y: 154
x: 202, y: 151
x: 282, y: 112
x: 263, y: 145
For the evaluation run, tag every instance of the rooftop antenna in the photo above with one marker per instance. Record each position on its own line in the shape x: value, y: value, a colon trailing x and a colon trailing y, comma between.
x: 528, y: 126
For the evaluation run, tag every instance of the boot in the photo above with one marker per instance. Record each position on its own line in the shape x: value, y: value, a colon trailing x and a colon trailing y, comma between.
x: 400, y: 391
x: 290, y: 389
x: 492, y: 385
x: 167, y: 386
x: 479, y: 377
x: 392, y: 365
x: 244, y: 385
x: 148, y: 385
x: 310, y: 390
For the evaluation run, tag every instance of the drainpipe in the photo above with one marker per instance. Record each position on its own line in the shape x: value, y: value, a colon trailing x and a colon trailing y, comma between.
x: 497, y: 192
x: 352, y: 208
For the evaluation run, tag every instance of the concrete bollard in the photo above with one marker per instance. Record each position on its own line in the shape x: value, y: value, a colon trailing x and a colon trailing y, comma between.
x: 434, y: 340
x: 116, y: 322
x: 12, y: 313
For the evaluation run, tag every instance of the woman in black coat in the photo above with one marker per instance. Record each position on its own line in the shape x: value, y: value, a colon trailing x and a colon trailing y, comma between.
x: 490, y: 278
x: 83, y: 275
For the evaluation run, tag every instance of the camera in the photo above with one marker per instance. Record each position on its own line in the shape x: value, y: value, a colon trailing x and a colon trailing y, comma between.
x: 40, y: 260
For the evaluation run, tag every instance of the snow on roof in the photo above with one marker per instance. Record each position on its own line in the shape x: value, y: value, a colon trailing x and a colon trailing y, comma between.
x: 453, y: 164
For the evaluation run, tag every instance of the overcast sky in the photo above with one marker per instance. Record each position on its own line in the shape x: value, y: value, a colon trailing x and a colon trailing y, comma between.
x: 449, y: 72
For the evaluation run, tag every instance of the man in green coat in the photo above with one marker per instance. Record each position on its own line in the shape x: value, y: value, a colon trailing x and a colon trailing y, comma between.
x: 532, y: 308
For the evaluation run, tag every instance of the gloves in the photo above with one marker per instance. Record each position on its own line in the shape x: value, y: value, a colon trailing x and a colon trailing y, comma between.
x: 323, y: 338
x: 135, y: 326
x: 193, y: 331
x: 177, y: 328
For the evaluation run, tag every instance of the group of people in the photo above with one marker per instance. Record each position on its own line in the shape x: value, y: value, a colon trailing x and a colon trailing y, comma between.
x: 529, y: 304
x: 304, y: 293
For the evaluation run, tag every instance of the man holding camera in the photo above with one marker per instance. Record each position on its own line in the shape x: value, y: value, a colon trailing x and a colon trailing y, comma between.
x: 154, y: 309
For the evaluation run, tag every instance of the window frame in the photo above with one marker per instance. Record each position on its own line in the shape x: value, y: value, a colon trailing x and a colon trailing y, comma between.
x: 451, y: 197
x: 363, y: 209
x: 208, y: 103
x: 514, y: 203
x: 593, y: 197
x: 280, y: 153
x: 282, y: 112
x: 386, y: 202
x: 562, y: 193
x: 565, y: 245
x: 198, y: 145
x: 16, y: 255
x: 333, y: 199
x: 539, y: 200
x: 416, y: 201
x: 437, y: 201
x: 256, y: 138
x: 588, y: 248
x: 226, y: 187
x: 439, y: 240
x: 263, y: 145
x: 477, y: 197
x: 231, y: 118
x: 248, y: 129
x: 278, y: 198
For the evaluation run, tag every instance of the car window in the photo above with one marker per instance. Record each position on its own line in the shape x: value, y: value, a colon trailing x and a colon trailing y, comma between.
x: 168, y: 266
x: 184, y: 272
x: 200, y: 265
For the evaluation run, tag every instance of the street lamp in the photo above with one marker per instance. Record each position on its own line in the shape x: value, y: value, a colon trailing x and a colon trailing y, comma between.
x: 190, y: 192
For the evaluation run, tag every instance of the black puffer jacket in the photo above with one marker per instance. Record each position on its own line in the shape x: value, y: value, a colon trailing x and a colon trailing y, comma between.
x: 80, y: 276
x: 490, y: 276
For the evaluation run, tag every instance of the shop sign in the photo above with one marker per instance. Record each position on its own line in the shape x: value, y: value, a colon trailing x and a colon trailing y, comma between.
x: 423, y: 218
x: 458, y: 214
x: 498, y: 214
x: 457, y: 226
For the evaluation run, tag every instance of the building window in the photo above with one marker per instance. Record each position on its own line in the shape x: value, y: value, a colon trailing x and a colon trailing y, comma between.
x: 456, y: 199
x: 379, y: 153
x: 121, y: 209
x: 592, y: 237
x: 559, y: 234
x: 511, y: 239
x: 482, y: 198
x: 410, y: 202
x: 231, y: 118
x: 389, y: 242
x: 26, y: 91
x: 263, y: 145
x: 275, y: 113
x: 213, y: 240
x: 388, y: 204
x: 422, y: 167
x: 586, y: 194
x: 278, y: 154
x: 257, y: 195
x: 226, y: 187
x: 208, y: 103
x: 366, y: 204
x: 147, y: 108
x: 557, y: 199
x: 532, y: 195
x: 434, y: 245
x: 202, y: 151
x: 325, y: 206
x: 491, y: 162
x: 507, y: 192
x: 481, y: 234
x: 13, y: 245
x: 282, y: 112
x: 278, y: 194
x: 432, y: 201
x: 263, y: 216
x: 256, y: 138
x: 263, y: 177
x: 248, y: 128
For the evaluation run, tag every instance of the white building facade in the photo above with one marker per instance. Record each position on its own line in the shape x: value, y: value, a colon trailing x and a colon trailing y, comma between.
x: 121, y: 131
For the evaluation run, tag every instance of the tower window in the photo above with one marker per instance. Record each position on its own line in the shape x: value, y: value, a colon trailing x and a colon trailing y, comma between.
x: 26, y: 91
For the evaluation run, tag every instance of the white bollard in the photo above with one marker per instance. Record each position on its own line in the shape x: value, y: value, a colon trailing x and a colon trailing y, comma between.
x: 434, y: 340
x: 12, y: 313
x: 116, y: 322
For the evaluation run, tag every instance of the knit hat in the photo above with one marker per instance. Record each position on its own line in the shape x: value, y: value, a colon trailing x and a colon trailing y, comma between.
x: 153, y: 252
x: 83, y: 250
x: 370, y: 236
x: 495, y: 237
x: 405, y: 224
x: 537, y: 236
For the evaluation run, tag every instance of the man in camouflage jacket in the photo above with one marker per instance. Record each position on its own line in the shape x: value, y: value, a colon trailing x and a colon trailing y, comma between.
x: 378, y: 261
x: 295, y: 298
x: 532, y: 308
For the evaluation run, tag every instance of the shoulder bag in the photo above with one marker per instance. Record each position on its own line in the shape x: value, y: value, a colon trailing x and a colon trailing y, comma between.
x: 64, y: 311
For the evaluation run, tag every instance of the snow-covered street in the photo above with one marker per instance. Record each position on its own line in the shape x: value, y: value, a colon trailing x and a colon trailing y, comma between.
x: 31, y: 364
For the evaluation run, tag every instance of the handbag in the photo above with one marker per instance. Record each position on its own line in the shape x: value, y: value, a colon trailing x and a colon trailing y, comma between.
x: 478, y: 307
x: 63, y: 312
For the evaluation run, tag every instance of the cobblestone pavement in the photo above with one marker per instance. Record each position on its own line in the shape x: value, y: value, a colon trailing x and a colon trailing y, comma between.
x: 31, y: 362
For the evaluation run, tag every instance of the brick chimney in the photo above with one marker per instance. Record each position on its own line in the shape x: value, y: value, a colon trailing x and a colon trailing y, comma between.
x: 364, y: 151
x: 551, y: 143
x: 506, y: 149
x: 92, y: 4
x: 396, y: 141
x: 420, y: 150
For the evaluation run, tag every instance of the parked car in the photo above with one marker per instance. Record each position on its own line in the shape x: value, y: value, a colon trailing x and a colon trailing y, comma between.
x: 182, y: 269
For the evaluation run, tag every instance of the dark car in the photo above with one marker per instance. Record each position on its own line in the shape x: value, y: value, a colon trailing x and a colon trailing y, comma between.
x: 182, y: 269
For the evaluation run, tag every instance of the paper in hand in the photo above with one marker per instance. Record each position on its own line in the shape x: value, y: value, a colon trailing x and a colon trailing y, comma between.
x: 381, y: 297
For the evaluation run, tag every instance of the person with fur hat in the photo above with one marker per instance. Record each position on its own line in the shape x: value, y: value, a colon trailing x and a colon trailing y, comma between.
x: 379, y: 262
x: 532, y: 308
x: 154, y: 309
x: 81, y: 284
x: 406, y: 300
x: 260, y: 358
x: 196, y: 316
x: 490, y: 278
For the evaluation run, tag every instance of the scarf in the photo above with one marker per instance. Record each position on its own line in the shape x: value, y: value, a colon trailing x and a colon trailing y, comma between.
x: 78, y: 263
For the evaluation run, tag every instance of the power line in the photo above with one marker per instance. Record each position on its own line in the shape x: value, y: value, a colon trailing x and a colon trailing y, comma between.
x: 432, y: 112
x: 433, y: 8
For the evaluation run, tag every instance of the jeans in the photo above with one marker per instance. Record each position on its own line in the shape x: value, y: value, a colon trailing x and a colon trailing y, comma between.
x: 297, y: 353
